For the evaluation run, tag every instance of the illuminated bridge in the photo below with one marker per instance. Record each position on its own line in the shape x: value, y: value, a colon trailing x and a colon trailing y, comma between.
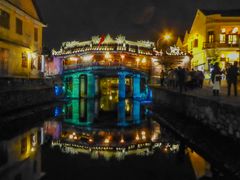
x: 116, y: 67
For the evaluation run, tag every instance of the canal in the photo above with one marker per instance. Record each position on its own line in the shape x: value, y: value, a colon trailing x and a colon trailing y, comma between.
x: 105, y: 138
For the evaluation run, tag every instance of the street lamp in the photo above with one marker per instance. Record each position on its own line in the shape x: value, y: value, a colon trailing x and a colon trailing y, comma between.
x: 167, y: 37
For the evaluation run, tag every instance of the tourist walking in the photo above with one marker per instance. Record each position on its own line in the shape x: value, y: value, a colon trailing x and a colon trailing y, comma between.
x: 216, y: 79
x: 232, y: 73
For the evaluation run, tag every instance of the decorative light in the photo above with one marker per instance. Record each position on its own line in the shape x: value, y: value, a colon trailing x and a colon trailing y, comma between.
x: 87, y: 57
x: 107, y: 55
x: 73, y: 58
x: 144, y: 60
x: 167, y: 37
x: 137, y: 137
x: 235, y: 30
x: 106, y: 141
x: 70, y: 136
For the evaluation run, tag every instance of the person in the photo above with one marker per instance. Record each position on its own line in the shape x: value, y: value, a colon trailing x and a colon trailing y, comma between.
x: 200, y: 78
x: 216, y: 79
x: 162, y: 78
x: 232, y: 73
x: 181, y: 75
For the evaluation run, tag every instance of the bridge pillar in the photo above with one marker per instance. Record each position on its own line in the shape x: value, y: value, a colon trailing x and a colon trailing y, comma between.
x: 121, y: 85
x: 136, y: 112
x: 91, y: 86
x: 75, y: 88
x: 121, y: 113
x: 136, y: 86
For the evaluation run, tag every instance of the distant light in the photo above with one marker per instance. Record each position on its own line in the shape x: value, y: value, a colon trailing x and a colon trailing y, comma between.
x: 138, y: 60
x: 70, y: 136
x: 73, y: 58
x: 167, y: 37
x: 87, y: 57
x: 122, y: 141
x: 106, y: 141
x: 223, y: 30
x: 122, y: 56
x: 107, y: 55
x: 144, y: 60
x: 235, y: 30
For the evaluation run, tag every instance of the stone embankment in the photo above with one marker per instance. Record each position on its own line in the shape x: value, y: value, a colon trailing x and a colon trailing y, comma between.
x: 20, y: 93
x: 221, y: 114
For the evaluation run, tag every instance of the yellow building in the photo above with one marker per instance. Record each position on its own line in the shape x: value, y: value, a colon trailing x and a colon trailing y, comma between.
x: 20, y: 38
x: 214, y: 37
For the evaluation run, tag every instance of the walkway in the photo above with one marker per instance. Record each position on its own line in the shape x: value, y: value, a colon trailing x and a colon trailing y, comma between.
x: 206, y: 92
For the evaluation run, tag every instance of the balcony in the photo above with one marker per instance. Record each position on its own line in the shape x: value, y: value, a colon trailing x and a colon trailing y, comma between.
x: 211, y: 45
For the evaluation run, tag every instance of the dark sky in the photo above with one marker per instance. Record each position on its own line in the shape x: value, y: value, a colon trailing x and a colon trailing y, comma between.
x: 136, y: 19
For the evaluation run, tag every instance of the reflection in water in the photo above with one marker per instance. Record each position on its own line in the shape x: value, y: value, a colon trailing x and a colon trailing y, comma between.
x: 105, y: 132
x: 101, y: 129
x: 20, y: 156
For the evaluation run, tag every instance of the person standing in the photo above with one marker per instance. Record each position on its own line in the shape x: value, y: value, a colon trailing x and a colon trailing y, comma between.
x: 216, y: 79
x: 181, y: 75
x: 232, y: 74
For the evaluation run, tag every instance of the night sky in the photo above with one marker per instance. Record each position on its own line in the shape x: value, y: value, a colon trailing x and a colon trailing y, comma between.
x: 136, y: 19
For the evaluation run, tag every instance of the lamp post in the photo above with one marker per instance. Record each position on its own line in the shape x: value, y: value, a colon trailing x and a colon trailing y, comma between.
x: 167, y: 37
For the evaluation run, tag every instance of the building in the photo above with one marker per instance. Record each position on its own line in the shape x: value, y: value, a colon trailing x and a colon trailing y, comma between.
x: 214, y: 37
x: 20, y: 38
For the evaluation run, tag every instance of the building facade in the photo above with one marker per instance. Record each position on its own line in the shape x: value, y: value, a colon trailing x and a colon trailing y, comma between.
x: 214, y: 37
x: 20, y: 38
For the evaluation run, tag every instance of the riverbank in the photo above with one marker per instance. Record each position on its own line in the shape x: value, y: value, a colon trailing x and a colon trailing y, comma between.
x: 221, y: 114
x: 21, y: 93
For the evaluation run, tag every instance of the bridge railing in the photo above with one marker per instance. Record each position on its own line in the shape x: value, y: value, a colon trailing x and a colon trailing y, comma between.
x: 104, y: 65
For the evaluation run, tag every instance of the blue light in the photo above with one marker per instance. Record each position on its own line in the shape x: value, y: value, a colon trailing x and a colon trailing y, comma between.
x: 57, y: 111
x: 58, y: 90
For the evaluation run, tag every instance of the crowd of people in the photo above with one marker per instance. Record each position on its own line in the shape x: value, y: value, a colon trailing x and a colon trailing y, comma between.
x: 182, y: 78
x: 185, y: 79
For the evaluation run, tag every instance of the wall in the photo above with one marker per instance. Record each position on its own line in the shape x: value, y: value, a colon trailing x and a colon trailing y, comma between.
x: 19, y: 93
x: 223, y: 118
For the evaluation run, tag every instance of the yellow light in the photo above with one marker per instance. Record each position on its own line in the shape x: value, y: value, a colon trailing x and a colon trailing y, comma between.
x: 122, y: 56
x: 137, y: 137
x: 106, y: 141
x: 73, y: 58
x: 122, y: 141
x: 87, y: 57
x: 75, y: 137
x: 90, y: 140
x: 167, y: 37
x: 235, y: 30
x: 143, y: 132
x: 70, y: 136
x: 138, y: 60
x: 110, y: 97
x: 223, y: 30
x: 144, y: 60
x: 74, y: 133
x: 107, y: 55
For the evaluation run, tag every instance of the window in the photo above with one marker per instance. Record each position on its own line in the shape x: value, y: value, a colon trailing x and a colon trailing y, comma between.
x: 210, y: 36
x: 24, y: 145
x: 195, y: 44
x: 222, y: 38
x: 19, y: 26
x: 35, y: 34
x: 4, y: 19
x: 24, y: 60
x: 232, y: 39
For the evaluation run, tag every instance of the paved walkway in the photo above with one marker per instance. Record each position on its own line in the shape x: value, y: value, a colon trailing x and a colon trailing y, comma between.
x: 206, y: 92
